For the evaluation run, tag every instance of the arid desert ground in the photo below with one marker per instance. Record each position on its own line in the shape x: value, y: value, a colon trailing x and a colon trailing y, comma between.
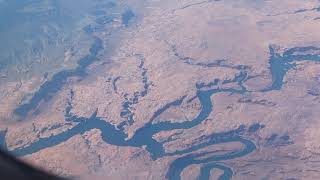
x: 162, y: 89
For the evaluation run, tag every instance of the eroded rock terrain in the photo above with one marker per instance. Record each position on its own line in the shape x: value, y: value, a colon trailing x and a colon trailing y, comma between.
x: 175, y: 89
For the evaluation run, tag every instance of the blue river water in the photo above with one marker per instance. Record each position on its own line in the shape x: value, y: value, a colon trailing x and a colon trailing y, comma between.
x: 205, y: 171
x: 144, y: 135
x: 180, y: 164
x: 51, y: 87
x: 279, y: 66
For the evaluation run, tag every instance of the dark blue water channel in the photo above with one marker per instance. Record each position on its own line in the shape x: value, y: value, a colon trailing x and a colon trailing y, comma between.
x: 181, y: 163
x: 51, y: 87
x: 205, y: 171
x: 279, y: 65
x: 144, y: 135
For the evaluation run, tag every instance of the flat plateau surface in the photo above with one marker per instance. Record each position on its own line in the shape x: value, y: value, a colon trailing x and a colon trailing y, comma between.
x: 170, y: 89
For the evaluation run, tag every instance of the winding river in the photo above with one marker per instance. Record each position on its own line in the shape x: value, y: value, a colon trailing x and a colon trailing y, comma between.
x: 279, y: 66
x: 144, y: 135
x: 205, y: 171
